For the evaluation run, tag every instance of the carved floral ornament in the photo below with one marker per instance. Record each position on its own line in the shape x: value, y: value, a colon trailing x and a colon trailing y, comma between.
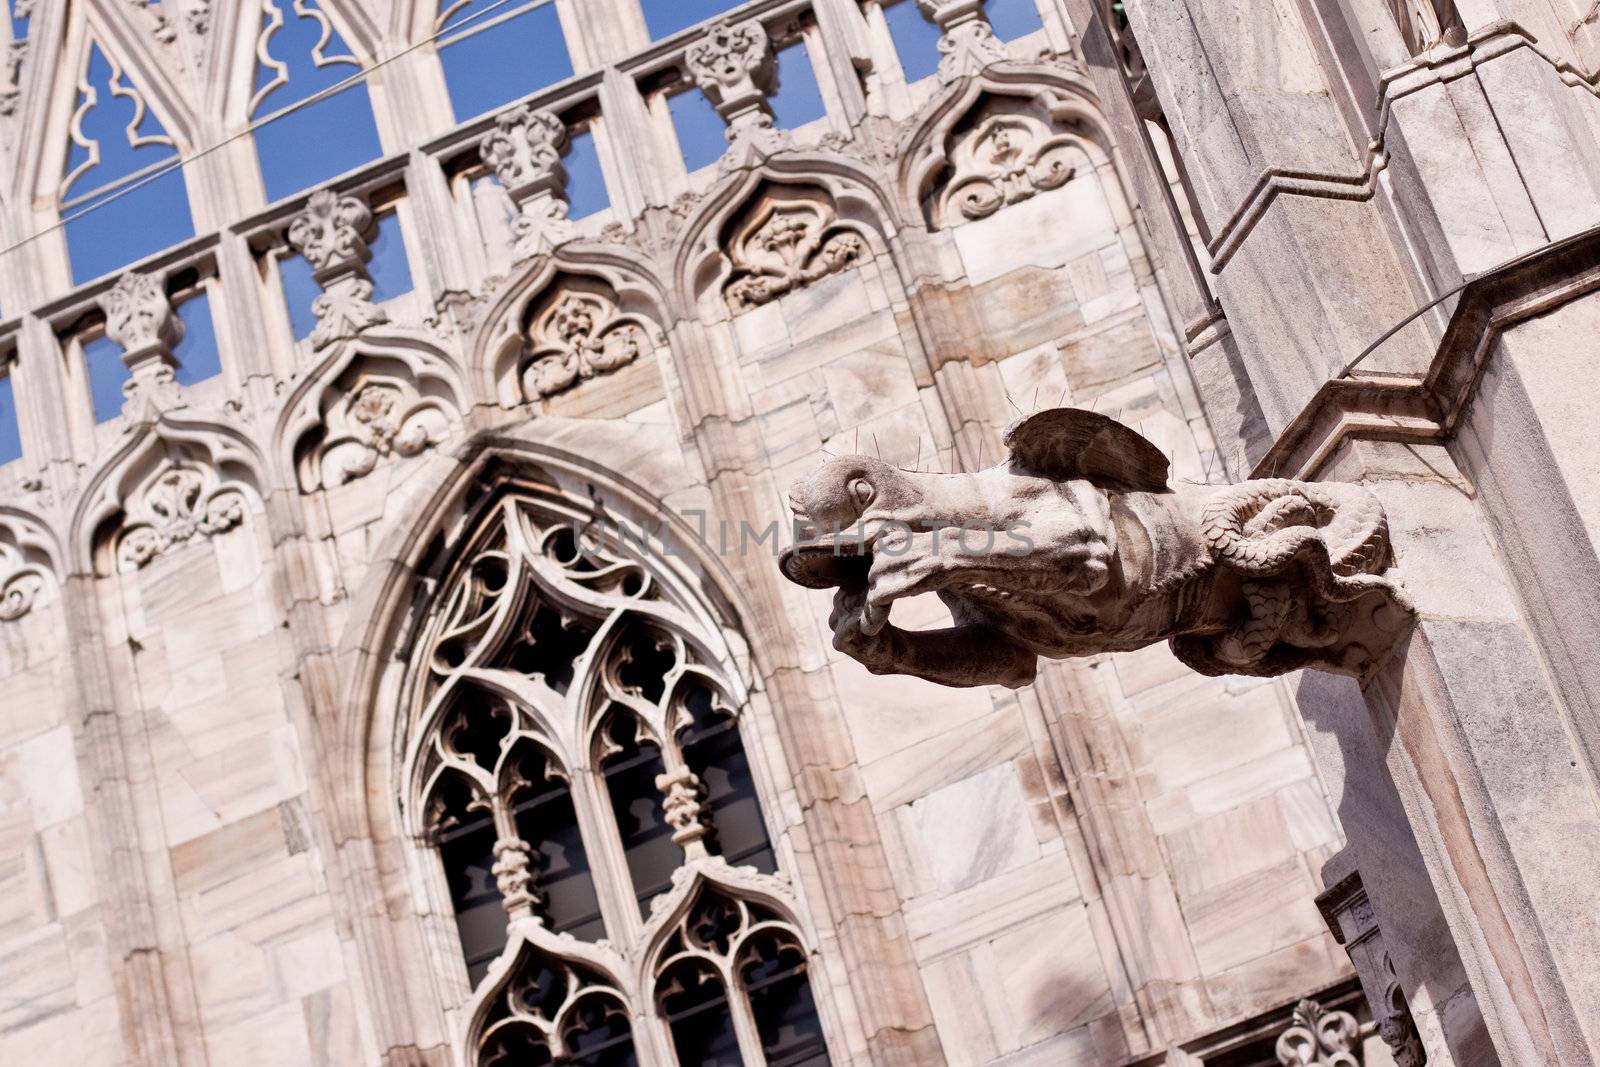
x: 22, y: 582
x: 1319, y: 1037
x: 579, y: 335
x: 1003, y: 160
x: 331, y: 232
x: 178, y: 504
x: 787, y: 244
x: 551, y: 659
x: 378, y: 416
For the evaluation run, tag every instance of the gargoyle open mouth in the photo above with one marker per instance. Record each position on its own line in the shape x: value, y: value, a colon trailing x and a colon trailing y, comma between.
x: 820, y: 560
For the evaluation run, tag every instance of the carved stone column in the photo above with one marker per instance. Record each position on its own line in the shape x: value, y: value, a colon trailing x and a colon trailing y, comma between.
x: 681, y: 791
x: 140, y: 319
x: 733, y: 65
x: 966, y: 39
x: 331, y: 232
x: 524, y: 151
x: 1354, y: 925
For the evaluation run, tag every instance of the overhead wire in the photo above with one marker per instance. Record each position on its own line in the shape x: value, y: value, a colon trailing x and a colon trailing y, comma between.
x: 322, y: 94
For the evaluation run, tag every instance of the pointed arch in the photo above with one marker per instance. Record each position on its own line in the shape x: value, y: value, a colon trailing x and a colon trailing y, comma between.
x: 389, y: 391
x: 120, y: 153
x: 167, y: 482
x: 529, y: 345
x: 1066, y: 97
x: 853, y: 197
x: 300, y: 51
x: 30, y: 563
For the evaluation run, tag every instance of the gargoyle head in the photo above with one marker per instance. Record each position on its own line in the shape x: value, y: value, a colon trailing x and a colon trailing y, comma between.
x: 839, y: 510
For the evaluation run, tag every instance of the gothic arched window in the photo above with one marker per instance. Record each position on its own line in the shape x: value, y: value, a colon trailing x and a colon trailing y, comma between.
x: 122, y: 195
x: 304, y: 142
x: 576, y: 761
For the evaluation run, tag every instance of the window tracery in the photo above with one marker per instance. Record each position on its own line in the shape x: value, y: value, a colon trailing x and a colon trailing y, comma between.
x: 578, y: 765
x: 299, y: 54
x: 120, y: 196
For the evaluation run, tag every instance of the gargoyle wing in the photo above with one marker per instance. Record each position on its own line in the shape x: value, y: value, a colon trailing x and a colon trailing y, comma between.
x: 1065, y: 443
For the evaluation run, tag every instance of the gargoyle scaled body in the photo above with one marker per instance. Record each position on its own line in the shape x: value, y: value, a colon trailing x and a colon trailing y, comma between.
x: 1077, y: 545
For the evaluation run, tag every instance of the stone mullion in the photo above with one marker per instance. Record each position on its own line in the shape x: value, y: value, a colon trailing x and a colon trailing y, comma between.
x: 851, y: 866
x: 138, y: 901
x: 608, y: 864
x: 744, y: 1023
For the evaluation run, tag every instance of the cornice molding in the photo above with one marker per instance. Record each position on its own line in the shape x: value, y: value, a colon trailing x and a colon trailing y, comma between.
x: 1430, y: 407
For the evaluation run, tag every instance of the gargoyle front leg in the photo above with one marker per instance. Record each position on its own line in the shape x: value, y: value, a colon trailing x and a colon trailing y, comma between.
x: 965, y: 655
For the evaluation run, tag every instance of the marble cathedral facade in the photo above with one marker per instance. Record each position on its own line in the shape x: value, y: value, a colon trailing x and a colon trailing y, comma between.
x: 394, y: 667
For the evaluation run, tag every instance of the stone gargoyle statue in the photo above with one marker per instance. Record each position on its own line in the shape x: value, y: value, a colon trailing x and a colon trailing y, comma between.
x: 1077, y: 544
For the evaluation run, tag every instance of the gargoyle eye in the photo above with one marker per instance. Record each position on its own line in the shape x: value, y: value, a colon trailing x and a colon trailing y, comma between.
x: 861, y: 492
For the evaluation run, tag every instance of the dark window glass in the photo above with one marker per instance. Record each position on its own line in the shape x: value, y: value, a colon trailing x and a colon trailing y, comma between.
x: 712, y: 749
x: 774, y: 977
x: 798, y: 100
x: 10, y: 436
x: 197, y: 351
x: 306, y: 147
x: 666, y: 17
x: 299, y: 290
x: 696, y: 1008
x: 702, y: 135
x: 122, y: 206
x: 102, y: 358
x: 467, y: 851
x: 586, y: 185
x: 545, y: 819
x: 598, y: 1034
x: 916, y: 40
x: 1012, y: 18
x: 496, y: 60
x: 630, y: 773
x: 389, y: 267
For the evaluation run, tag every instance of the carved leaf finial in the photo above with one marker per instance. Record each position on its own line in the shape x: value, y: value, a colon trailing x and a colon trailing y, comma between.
x: 331, y: 232
x: 524, y: 151
x: 580, y: 336
x: 967, y: 42
x: 733, y: 65
x: 138, y: 315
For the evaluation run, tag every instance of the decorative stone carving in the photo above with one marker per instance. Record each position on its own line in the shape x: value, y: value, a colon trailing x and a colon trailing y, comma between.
x: 580, y: 334
x: 681, y: 791
x: 1005, y: 159
x: 1429, y: 25
x: 524, y: 151
x: 1077, y: 545
x: 514, y: 876
x: 966, y: 41
x: 331, y: 233
x: 11, y: 63
x: 177, y: 505
x: 140, y: 320
x: 20, y: 583
x: 1348, y: 913
x: 1317, y: 1037
x: 733, y: 65
x: 785, y: 245
x: 380, y: 417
